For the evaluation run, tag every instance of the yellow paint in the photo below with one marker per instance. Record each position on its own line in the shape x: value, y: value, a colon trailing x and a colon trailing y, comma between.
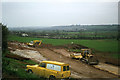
x: 34, y: 42
x: 76, y: 55
x: 58, y: 69
x: 83, y: 53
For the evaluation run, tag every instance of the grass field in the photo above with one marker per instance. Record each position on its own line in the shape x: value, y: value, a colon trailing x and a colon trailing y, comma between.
x: 110, y: 46
x: 90, y: 34
x: 13, y: 68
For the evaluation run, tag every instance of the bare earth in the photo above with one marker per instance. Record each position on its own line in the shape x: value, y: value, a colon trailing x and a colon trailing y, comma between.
x: 78, y: 68
x: 101, y: 66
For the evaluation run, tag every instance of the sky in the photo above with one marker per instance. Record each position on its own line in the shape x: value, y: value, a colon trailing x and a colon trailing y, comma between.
x: 46, y: 13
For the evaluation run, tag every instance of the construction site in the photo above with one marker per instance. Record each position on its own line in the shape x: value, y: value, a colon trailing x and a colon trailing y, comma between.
x: 47, y: 52
x: 60, y: 40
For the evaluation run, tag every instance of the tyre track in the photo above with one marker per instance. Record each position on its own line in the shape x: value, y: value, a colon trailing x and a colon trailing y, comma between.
x: 79, y: 67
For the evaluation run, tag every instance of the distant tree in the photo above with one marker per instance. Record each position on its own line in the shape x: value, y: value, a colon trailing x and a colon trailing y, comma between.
x: 118, y: 35
x: 4, y: 37
x: 57, y: 32
x: 95, y: 33
x: 5, y: 62
x: 80, y: 35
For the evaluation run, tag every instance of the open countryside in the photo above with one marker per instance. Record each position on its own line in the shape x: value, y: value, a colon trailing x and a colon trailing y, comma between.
x: 60, y: 40
x: 60, y: 49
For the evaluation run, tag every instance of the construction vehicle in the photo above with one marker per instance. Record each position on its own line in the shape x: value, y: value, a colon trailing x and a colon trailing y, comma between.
x: 76, y: 56
x: 35, y: 43
x: 85, y: 56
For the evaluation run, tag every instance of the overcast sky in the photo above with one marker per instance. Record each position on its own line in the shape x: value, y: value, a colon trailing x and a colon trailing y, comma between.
x: 61, y: 12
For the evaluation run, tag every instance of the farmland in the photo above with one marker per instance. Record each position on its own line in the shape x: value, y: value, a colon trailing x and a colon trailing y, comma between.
x: 100, y: 38
x: 71, y: 32
x: 60, y: 54
x: 99, y: 45
x: 106, y: 46
x: 62, y: 43
x: 59, y: 40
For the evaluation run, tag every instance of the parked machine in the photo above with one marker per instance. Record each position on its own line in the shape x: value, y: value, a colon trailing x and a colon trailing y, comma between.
x: 35, y: 43
x: 85, y: 56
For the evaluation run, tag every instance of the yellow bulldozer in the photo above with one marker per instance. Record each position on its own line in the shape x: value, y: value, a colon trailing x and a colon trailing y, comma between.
x: 85, y: 56
x: 34, y: 43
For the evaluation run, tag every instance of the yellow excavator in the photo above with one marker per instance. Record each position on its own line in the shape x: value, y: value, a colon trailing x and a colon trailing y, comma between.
x: 85, y: 56
x: 34, y: 43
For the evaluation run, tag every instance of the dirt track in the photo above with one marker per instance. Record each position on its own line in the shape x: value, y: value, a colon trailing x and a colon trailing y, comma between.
x: 78, y: 69
x: 102, y: 66
x: 77, y: 66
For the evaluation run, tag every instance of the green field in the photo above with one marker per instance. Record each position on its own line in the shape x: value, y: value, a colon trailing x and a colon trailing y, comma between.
x: 110, y: 46
x: 87, y: 34
x: 13, y: 68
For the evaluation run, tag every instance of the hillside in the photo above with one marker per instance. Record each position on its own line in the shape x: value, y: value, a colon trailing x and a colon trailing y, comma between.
x: 69, y: 28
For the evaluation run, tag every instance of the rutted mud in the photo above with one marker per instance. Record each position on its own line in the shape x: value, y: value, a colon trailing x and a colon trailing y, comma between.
x: 109, y: 68
x: 62, y: 51
x: 78, y: 69
x: 77, y: 66
x: 32, y: 54
x: 102, y: 66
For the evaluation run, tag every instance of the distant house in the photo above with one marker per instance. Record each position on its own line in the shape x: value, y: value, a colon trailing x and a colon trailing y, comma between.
x: 24, y: 35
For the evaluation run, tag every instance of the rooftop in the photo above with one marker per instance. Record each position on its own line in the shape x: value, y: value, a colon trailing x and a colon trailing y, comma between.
x: 55, y: 62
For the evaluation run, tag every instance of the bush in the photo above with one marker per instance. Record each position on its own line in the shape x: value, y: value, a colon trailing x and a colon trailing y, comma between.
x: 4, y: 38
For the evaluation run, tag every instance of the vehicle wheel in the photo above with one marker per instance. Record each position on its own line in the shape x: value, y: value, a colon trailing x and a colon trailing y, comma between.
x: 88, y: 62
x: 97, y: 62
x: 34, y: 46
x: 52, y: 78
x: 80, y: 59
x: 30, y: 71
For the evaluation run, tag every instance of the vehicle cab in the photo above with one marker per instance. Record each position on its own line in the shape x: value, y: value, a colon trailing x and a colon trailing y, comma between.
x: 34, y: 43
x: 50, y: 69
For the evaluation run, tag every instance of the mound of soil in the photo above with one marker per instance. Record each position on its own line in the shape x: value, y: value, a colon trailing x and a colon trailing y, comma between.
x: 75, y: 46
x: 45, y: 45
x: 108, y: 60
x: 17, y: 45
x: 16, y: 57
x: 100, y: 57
x: 68, y: 46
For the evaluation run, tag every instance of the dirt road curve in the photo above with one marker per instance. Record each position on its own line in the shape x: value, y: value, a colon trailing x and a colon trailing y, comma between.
x: 102, y: 66
x: 78, y: 69
x: 62, y: 51
x: 77, y: 66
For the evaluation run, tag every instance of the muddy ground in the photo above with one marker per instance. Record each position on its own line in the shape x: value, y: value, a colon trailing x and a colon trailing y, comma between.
x: 78, y: 68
